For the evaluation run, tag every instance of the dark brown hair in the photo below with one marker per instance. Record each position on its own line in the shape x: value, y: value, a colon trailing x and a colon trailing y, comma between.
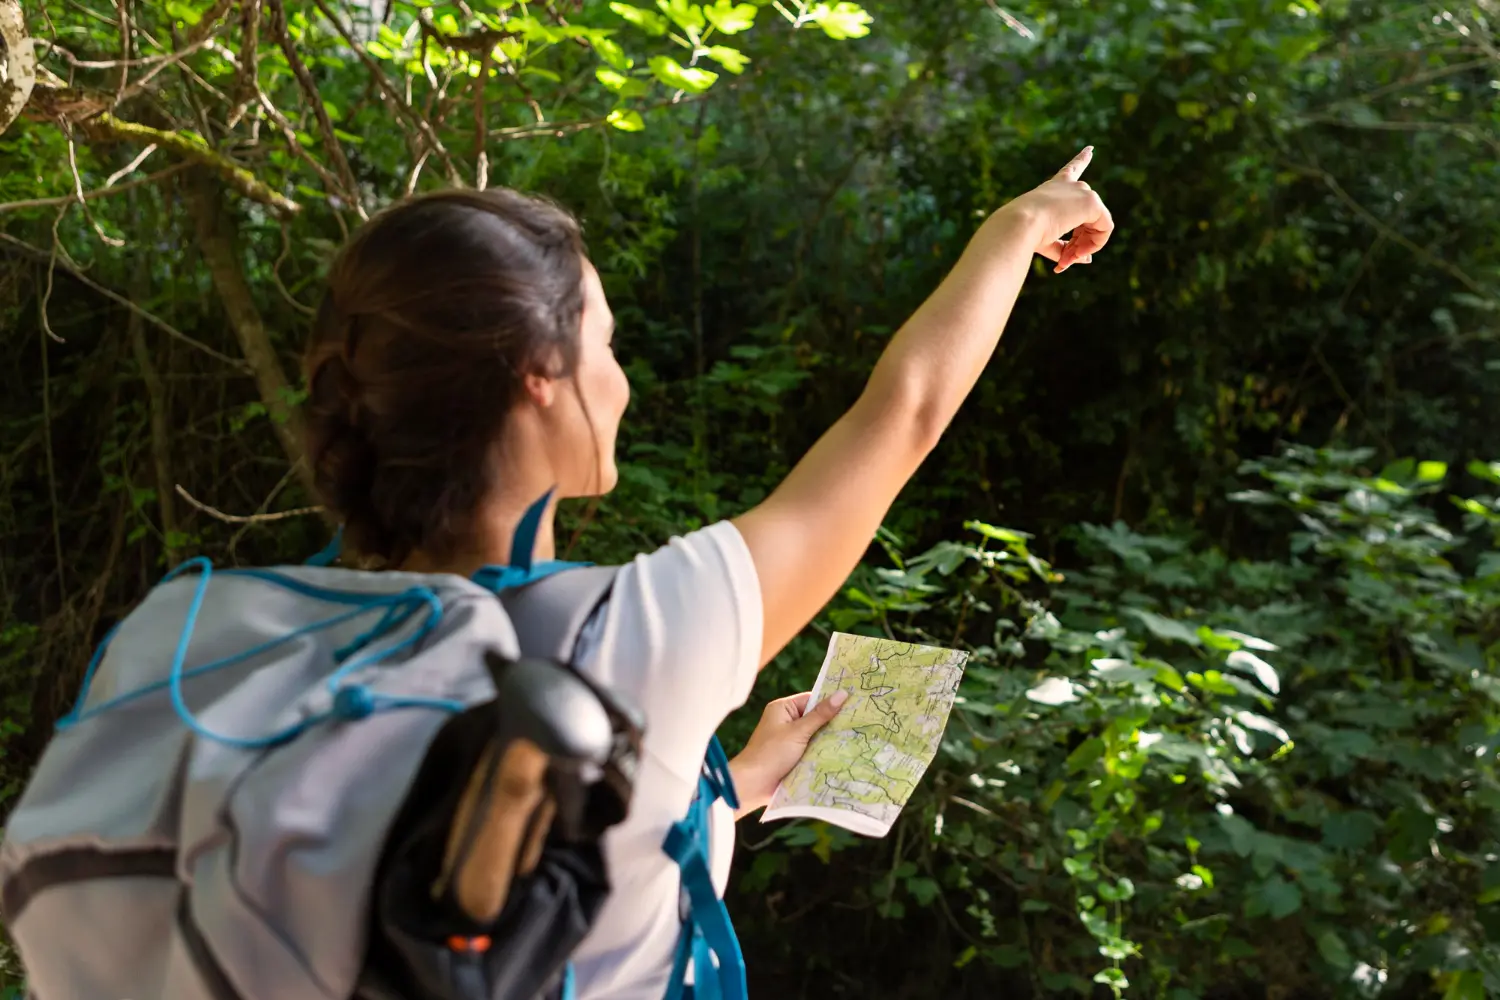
x: 433, y: 313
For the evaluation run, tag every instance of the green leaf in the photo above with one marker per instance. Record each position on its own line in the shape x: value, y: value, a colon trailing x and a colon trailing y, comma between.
x: 1116, y: 671
x: 379, y: 51
x: 674, y: 74
x: 1351, y: 830
x: 1488, y: 471
x: 1086, y: 753
x: 729, y: 17
x: 1262, y: 671
x: 1333, y: 949
x: 625, y: 86
x: 923, y: 890
x: 999, y: 534
x: 184, y: 12
x: 1053, y: 691
x: 626, y: 120
x: 841, y: 20
x: 1261, y: 724
x: 1113, y: 978
x: 1467, y: 985
x: 1165, y: 628
x: 648, y: 21
x: 609, y: 50
x: 1191, y: 110
x: 1431, y: 472
x: 1277, y: 897
x: 686, y: 15
x: 731, y: 59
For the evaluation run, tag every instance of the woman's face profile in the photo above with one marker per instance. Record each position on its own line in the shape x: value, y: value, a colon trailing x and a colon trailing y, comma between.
x: 589, y: 418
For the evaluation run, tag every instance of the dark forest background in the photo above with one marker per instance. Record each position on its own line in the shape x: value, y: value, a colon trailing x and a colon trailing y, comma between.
x: 1220, y: 523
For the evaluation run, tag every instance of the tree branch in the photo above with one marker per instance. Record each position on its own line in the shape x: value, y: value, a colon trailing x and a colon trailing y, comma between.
x: 64, y: 199
x: 315, y: 104
x: 219, y: 515
x: 384, y: 83
x: 43, y: 257
x: 217, y: 238
x: 1382, y: 227
x: 107, y: 126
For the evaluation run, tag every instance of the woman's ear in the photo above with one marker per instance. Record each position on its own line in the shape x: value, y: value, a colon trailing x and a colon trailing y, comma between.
x: 540, y: 389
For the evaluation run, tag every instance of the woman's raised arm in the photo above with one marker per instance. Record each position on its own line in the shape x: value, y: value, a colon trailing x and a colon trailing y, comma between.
x: 809, y: 534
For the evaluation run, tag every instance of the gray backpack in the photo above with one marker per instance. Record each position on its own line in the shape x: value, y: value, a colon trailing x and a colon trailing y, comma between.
x: 271, y: 777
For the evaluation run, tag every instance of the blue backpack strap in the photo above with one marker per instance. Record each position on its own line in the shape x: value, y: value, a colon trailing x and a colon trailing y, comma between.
x: 707, y: 933
x: 331, y: 551
x: 522, y: 568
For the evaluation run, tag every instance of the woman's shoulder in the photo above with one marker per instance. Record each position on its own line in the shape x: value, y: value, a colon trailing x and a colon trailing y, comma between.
x: 680, y: 636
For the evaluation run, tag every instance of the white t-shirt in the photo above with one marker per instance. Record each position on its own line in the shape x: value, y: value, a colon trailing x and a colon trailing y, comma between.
x: 681, y: 639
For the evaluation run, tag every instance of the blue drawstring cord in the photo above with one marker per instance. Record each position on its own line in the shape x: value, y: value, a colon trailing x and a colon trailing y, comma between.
x: 349, y: 701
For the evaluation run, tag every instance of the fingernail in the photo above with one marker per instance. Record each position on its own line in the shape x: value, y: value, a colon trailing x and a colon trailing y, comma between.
x: 838, y: 699
x: 1088, y: 149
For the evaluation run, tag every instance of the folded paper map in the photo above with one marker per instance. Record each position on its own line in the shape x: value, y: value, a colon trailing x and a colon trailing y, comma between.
x: 861, y: 768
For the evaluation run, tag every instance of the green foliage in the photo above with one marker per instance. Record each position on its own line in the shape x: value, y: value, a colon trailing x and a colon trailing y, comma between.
x: 1282, y: 767
x: 1209, y: 747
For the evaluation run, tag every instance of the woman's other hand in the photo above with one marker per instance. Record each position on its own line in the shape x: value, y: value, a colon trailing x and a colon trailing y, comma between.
x: 1064, y: 204
x: 785, y: 729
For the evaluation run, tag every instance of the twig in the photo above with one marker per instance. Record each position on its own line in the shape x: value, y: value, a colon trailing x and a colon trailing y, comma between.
x: 416, y: 172
x: 315, y: 103
x: 234, y: 539
x: 286, y: 249
x: 402, y: 107
x: 1384, y: 228
x: 62, y: 589
x: 129, y: 167
x: 198, y: 37
x: 330, y: 183
x: 46, y: 300
x: 1450, y: 128
x: 78, y: 182
x: 249, y: 82
x: 481, y: 155
x: 217, y: 514
x: 123, y: 7
x: 68, y: 199
x: 1011, y: 22
x: 38, y: 254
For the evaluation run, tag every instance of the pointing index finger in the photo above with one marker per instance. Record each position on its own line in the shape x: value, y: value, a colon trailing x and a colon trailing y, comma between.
x: 1075, y: 167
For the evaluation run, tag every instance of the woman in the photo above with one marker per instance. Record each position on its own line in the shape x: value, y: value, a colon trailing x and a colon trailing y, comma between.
x: 461, y: 367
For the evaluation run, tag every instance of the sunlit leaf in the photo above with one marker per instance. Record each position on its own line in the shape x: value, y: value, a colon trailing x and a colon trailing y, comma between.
x: 648, y: 21
x: 730, y: 17
x: 674, y: 74
x: 1053, y: 691
x: 685, y: 14
x: 610, y: 51
x: 1254, y: 665
x: 626, y: 120
x: 841, y: 20
x: 731, y: 59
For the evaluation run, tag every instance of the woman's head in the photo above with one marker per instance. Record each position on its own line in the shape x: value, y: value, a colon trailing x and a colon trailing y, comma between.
x: 460, y: 363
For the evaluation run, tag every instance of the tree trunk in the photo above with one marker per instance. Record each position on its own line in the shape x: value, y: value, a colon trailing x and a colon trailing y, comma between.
x: 17, y: 63
x: 158, y: 408
x: 217, y: 238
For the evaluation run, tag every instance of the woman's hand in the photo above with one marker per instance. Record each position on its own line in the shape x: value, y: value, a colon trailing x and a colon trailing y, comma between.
x: 1065, y: 204
x: 777, y: 744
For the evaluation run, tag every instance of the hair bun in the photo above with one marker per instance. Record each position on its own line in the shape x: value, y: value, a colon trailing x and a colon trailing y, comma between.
x: 345, y: 462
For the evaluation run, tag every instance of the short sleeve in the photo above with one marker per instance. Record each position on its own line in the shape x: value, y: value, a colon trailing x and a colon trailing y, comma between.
x: 680, y: 638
